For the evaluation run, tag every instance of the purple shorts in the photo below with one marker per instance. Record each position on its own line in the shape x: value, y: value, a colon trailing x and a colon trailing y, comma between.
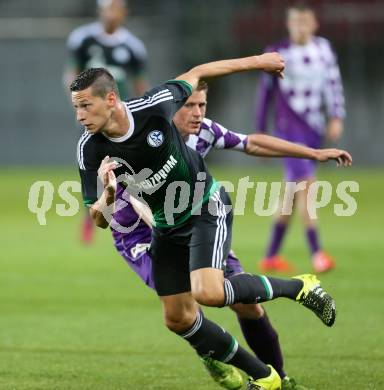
x: 232, y: 265
x: 297, y: 169
x: 142, y: 266
x: 137, y: 257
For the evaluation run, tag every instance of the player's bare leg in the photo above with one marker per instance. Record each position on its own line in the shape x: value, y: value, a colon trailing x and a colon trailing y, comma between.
x: 179, y: 311
x: 87, y: 229
x: 248, y: 288
x: 273, y: 261
x: 182, y: 316
x: 208, y: 286
x: 320, y: 260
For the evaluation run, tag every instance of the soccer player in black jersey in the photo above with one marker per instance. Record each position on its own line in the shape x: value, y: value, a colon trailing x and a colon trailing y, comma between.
x: 109, y: 44
x: 192, y: 228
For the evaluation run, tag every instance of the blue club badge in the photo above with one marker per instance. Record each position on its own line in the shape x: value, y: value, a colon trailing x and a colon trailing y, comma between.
x: 155, y: 138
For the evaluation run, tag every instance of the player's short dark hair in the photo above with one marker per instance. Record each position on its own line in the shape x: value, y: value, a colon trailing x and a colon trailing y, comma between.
x: 301, y: 6
x: 202, y: 86
x: 101, y: 81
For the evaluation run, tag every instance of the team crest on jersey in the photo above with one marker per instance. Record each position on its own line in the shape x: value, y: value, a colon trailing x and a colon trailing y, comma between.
x: 155, y: 138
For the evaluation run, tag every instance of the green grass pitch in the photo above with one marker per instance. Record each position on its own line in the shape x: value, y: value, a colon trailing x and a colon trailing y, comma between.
x: 75, y: 317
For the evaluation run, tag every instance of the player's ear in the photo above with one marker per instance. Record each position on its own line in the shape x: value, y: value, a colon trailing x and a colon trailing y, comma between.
x: 111, y: 98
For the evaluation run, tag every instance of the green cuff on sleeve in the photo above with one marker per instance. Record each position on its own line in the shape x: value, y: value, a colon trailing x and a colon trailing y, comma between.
x: 185, y: 83
x: 88, y: 202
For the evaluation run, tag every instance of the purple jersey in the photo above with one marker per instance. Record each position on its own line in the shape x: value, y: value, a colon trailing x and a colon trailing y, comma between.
x: 213, y: 135
x: 311, y: 85
x: 133, y: 246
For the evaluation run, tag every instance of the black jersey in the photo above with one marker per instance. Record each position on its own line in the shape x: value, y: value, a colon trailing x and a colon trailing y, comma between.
x: 122, y: 53
x: 157, y: 164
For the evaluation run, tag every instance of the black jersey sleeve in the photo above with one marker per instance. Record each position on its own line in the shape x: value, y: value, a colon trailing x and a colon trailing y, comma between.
x: 88, y: 186
x: 88, y: 166
x: 163, y: 100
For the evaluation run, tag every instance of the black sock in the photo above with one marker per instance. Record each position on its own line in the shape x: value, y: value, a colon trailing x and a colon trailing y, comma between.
x: 247, y: 288
x: 210, y: 340
x: 264, y: 341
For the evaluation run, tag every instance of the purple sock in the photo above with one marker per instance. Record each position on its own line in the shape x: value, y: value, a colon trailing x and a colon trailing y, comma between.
x: 264, y: 341
x: 313, y: 239
x: 278, y: 232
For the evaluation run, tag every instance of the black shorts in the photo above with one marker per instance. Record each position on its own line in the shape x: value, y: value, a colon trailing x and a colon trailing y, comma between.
x: 203, y: 241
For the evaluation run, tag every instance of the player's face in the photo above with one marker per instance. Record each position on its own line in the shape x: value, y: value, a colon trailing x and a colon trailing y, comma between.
x: 188, y: 119
x: 93, y: 112
x: 301, y: 26
x: 112, y: 14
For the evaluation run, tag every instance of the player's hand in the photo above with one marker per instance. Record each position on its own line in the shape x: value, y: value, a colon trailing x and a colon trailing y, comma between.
x: 272, y: 63
x: 342, y: 157
x: 334, y: 129
x: 107, y: 176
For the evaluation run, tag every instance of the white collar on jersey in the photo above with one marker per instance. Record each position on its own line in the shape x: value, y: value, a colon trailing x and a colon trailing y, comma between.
x: 129, y: 133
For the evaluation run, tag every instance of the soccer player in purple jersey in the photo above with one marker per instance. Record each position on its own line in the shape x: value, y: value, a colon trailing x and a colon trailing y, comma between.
x: 311, y: 84
x: 202, y: 134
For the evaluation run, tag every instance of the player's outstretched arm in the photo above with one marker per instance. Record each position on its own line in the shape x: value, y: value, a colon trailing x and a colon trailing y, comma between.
x: 143, y: 211
x: 269, y: 146
x: 104, y: 206
x: 272, y: 63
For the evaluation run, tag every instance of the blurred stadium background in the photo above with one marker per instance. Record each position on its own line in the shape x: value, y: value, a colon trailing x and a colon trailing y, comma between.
x: 73, y: 317
x: 38, y: 121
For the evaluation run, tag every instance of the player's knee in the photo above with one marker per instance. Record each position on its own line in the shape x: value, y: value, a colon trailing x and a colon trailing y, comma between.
x: 209, y: 296
x: 283, y: 218
x: 208, y: 287
x: 179, y: 321
x: 250, y: 311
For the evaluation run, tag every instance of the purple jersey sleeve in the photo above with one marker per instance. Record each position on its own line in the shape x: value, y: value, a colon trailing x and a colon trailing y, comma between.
x: 264, y: 98
x: 224, y: 138
x: 333, y: 90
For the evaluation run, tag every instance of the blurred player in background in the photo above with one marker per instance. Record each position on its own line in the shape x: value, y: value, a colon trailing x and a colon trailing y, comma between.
x: 107, y: 43
x: 312, y: 85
